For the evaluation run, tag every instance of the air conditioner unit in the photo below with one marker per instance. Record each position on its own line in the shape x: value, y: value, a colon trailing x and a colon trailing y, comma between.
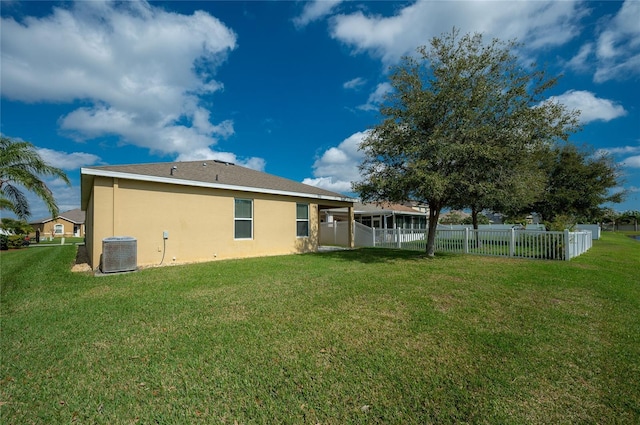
x: 119, y: 254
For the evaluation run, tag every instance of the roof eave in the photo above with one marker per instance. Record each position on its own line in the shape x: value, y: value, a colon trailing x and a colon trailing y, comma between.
x: 86, y: 184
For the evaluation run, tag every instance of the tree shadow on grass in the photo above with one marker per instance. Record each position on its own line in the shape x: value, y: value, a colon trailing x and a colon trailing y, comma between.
x: 381, y: 255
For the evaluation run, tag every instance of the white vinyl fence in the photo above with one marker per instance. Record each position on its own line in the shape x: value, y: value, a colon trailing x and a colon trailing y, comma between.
x: 337, y: 233
x: 534, y: 244
x: 503, y: 241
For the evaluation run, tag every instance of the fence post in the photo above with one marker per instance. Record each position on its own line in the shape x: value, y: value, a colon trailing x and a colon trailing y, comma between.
x: 512, y: 243
x: 466, y: 240
x: 373, y: 235
x: 567, y: 245
x: 398, y: 241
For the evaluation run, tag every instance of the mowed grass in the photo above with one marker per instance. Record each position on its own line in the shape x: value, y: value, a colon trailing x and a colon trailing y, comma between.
x: 351, y: 337
x: 44, y: 240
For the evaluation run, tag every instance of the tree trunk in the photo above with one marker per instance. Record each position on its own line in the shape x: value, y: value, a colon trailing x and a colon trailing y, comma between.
x: 474, y: 220
x: 434, y: 214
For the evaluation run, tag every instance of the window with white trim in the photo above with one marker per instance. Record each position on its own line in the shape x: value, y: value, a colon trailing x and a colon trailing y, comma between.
x: 58, y: 229
x: 302, y: 220
x: 243, y: 219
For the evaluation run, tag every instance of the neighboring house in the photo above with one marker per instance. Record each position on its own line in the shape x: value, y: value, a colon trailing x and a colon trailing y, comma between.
x: 201, y: 211
x: 383, y: 216
x: 67, y: 224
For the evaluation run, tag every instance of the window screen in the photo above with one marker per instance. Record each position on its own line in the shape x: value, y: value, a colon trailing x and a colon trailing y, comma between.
x: 302, y: 220
x: 243, y: 219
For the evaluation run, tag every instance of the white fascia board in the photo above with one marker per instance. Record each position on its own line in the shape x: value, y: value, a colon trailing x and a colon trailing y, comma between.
x: 142, y: 177
x: 381, y: 212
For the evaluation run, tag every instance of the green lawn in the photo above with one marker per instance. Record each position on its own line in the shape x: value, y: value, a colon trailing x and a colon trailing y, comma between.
x: 57, y: 241
x: 348, y: 337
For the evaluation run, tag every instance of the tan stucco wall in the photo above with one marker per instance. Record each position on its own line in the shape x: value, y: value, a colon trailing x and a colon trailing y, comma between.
x: 200, y: 222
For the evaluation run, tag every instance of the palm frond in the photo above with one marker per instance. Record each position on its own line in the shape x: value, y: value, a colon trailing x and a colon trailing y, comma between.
x: 21, y: 164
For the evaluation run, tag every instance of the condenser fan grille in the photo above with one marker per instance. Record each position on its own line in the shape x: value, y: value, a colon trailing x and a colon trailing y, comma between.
x: 119, y: 254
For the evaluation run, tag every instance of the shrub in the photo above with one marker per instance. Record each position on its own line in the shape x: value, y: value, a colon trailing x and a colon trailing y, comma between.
x: 560, y: 223
x: 16, y: 241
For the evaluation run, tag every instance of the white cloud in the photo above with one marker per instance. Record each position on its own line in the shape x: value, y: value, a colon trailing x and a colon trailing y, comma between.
x: 615, y: 54
x: 377, y: 97
x: 618, y: 46
x: 67, y: 197
x: 622, y: 150
x: 354, y: 84
x: 139, y: 70
x: 315, y: 10
x: 205, y: 153
x: 632, y: 162
x: 327, y: 183
x: 254, y: 163
x: 591, y: 107
x: 67, y: 161
x: 535, y: 24
x: 338, y: 166
x: 580, y: 61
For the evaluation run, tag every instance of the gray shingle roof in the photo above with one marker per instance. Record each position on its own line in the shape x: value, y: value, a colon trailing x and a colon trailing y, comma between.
x: 76, y: 216
x: 217, y: 173
x: 384, y: 208
x: 376, y: 208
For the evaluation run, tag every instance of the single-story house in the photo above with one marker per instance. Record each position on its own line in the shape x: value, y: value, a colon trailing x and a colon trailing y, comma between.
x: 66, y: 224
x: 381, y: 216
x: 201, y: 211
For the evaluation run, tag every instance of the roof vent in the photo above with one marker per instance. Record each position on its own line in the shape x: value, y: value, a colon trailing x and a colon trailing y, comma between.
x: 119, y: 254
x: 219, y: 161
x: 173, y: 169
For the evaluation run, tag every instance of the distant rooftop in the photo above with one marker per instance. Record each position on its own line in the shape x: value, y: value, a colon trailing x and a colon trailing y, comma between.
x: 76, y: 216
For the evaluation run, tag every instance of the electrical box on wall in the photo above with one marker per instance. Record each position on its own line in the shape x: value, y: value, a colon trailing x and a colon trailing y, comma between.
x: 165, y: 234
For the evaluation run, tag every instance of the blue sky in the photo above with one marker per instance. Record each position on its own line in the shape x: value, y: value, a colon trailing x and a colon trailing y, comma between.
x: 289, y: 88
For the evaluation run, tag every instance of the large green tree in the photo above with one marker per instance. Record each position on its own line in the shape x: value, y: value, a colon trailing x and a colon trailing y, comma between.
x: 21, y: 167
x: 579, y: 184
x: 463, y: 127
